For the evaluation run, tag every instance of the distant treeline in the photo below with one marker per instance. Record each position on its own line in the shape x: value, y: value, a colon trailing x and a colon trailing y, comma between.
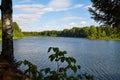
x: 91, y: 32
x: 17, y: 33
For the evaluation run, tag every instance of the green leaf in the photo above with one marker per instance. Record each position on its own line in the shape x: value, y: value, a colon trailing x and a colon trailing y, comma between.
x: 72, y: 59
x: 25, y: 62
x: 68, y: 60
x: 49, y: 49
x: 62, y: 59
x: 74, y: 68
x: 52, y: 57
x: 53, y: 73
x: 68, y: 67
x: 40, y: 76
x: 79, y: 66
x: 56, y: 50
x: 56, y: 60
x: 19, y: 63
x: 88, y: 77
x: 60, y: 53
x: 34, y: 68
x: 64, y: 52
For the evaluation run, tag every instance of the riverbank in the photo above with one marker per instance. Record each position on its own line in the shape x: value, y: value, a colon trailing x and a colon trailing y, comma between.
x: 104, y: 38
x: 8, y: 71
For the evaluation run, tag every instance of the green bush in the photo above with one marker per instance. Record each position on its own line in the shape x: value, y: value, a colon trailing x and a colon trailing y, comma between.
x: 61, y: 73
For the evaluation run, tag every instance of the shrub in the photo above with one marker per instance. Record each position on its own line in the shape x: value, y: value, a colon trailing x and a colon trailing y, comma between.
x: 61, y: 73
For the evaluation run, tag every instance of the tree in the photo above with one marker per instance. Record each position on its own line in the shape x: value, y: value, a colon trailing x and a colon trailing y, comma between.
x: 7, y: 31
x: 106, y: 12
x: 93, y: 32
x: 103, y: 34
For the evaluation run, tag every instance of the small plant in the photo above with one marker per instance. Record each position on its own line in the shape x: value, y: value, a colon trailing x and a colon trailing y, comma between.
x: 61, y: 73
x: 59, y: 57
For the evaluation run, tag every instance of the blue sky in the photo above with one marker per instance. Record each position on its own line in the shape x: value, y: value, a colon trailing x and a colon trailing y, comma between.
x: 40, y: 15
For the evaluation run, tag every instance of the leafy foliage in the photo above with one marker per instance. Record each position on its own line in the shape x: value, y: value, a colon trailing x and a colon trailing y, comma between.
x: 17, y: 33
x: 106, y: 12
x: 91, y: 32
x: 61, y: 73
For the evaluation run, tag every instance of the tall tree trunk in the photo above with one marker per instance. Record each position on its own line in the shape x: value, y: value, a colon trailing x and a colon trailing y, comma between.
x: 7, y: 31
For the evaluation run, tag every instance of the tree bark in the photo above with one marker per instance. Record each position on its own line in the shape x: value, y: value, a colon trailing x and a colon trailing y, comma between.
x: 7, y: 30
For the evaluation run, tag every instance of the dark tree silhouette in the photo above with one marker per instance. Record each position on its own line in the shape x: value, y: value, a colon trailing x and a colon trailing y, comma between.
x: 7, y: 31
x: 106, y: 12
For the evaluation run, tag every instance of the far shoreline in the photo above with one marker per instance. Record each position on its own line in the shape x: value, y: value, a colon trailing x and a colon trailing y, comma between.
x: 116, y: 39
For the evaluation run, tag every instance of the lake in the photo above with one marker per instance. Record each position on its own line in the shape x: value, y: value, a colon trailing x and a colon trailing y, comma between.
x: 98, y: 57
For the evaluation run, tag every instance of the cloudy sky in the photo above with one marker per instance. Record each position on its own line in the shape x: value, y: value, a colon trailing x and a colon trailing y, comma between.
x: 40, y: 15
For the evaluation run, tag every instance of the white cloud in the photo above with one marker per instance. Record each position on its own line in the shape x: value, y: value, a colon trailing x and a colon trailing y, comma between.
x: 31, y: 13
x: 72, y: 23
x: 78, y: 5
x: 62, y: 5
x: 24, y: 20
x: 83, y: 23
x: 59, y: 4
x: 56, y: 27
x: 30, y: 8
x: 44, y: 28
x: 71, y: 18
x: 47, y: 9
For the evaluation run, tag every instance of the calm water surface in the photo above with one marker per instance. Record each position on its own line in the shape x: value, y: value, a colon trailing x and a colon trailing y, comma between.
x: 98, y: 57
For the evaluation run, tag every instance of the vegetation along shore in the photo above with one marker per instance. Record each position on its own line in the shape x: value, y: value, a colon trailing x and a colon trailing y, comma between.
x: 90, y: 32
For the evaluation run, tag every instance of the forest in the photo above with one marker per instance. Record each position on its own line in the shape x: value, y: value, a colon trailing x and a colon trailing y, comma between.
x: 90, y: 32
